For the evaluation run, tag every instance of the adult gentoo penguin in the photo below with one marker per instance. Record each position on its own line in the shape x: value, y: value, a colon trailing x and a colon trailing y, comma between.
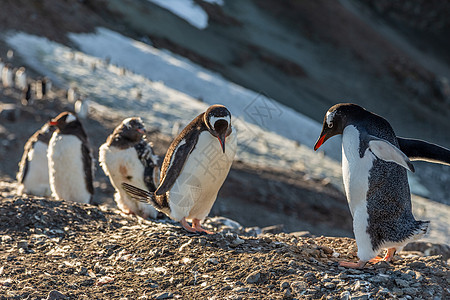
x: 70, y: 160
x: 194, y: 169
x: 33, y: 167
x: 128, y: 157
x: 375, y: 180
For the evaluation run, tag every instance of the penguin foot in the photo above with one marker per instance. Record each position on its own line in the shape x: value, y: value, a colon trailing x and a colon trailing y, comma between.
x: 348, y: 264
x: 186, y: 226
x: 199, y: 228
x: 388, y: 257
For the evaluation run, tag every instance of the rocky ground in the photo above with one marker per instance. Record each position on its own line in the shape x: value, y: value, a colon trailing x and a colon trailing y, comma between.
x: 58, y: 250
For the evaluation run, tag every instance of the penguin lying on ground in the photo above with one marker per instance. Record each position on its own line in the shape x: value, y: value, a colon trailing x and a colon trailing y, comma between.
x: 128, y: 157
x: 194, y: 169
x: 375, y: 179
x: 70, y: 160
x: 33, y: 167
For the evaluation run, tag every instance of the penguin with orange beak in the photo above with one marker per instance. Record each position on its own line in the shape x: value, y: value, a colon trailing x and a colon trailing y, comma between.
x: 194, y: 169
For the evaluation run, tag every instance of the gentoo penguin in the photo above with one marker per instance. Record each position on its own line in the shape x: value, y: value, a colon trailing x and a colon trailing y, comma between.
x: 81, y: 108
x: 21, y: 79
x: 33, y: 167
x: 375, y: 181
x: 7, y: 76
x: 194, y: 169
x: 27, y: 98
x: 72, y: 94
x: 128, y: 157
x: 70, y: 160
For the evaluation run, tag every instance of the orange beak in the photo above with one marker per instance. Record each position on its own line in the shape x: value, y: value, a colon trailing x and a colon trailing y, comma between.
x: 320, y: 142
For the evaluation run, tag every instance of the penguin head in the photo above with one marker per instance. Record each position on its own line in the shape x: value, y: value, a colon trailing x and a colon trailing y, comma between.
x: 132, y: 129
x: 336, y: 119
x: 65, y: 121
x: 218, y: 120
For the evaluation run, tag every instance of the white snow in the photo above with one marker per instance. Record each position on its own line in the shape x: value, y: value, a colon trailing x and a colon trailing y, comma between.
x: 188, y: 10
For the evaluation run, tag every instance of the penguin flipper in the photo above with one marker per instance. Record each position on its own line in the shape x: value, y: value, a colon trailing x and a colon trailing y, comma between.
x: 422, y: 150
x: 88, y: 168
x: 140, y: 195
x: 178, y: 161
x: 388, y: 152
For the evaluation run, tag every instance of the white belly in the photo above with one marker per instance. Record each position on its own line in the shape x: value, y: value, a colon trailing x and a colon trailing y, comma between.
x: 355, y: 172
x: 66, y: 172
x: 36, y: 180
x: 195, y: 190
x: 125, y: 166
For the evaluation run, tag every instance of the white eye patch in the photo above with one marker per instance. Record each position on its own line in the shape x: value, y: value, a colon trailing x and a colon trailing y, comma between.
x: 213, y: 120
x: 70, y: 118
x: 329, y: 118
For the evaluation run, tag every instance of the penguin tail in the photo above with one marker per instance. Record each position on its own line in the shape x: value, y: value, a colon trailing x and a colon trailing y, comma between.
x: 141, y: 195
x: 422, y: 228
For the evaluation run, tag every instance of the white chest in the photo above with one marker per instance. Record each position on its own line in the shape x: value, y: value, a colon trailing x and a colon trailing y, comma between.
x: 66, y: 170
x: 36, y: 180
x: 206, y: 168
x: 355, y: 170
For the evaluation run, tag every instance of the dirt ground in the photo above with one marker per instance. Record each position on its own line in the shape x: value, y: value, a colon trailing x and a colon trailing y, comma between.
x: 58, y: 250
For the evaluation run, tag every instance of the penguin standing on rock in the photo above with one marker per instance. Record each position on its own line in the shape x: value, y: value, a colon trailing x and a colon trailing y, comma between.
x: 33, y: 167
x: 128, y: 157
x: 70, y: 160
x: 375, y: 180
x: 194, y: 169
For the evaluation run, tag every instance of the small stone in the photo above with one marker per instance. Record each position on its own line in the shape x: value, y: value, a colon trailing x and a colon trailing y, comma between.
x: 401, y: 283
x: 254, y: 277
x: 212, y: 260
x: 274, y: 229
x: 163, y: 295
x: 411, y: 291
x: 22, y: 244
x: 238, y: 241
x: 6, y: 239
x: 240, y: 289
x: 284, y: 285
x: 327, y: 250
x: 288, y: 294
x: 329, y: 285
x: 298, y: 287
x: 360, y: 296
x: 418, y: 265
x: 55, y: 295
x: 345, y: 295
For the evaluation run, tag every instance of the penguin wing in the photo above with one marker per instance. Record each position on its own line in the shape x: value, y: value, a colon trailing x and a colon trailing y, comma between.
x: 150, y: 162
x: 87, y: 166
x: 177, y: 161
x: 388, y: 152
x: 422, y: 150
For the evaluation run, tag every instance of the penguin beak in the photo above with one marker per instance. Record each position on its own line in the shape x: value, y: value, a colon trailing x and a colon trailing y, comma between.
x: 53, y: 123
x: 320, y: 141
x: 222, y: 141
x: 140, y: 130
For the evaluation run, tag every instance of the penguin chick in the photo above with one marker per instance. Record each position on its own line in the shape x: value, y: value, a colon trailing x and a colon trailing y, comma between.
x: 194, y: 169
x: 33, y: 167
x: 375, y: 180
x: 70, y: 160
x: 128, y: 157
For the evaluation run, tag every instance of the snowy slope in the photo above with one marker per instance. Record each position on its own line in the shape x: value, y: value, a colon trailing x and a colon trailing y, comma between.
x: 183, y: 75
x: 187, y: 10
x: 161, y: 105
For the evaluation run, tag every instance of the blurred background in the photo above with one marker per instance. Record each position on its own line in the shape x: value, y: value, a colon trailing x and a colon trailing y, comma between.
x: 277, y: 65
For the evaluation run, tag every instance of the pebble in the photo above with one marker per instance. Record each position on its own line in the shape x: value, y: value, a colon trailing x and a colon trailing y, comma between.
x: 284, y: 285
x: 329, y: 285
x: 401, y: 283
x: 164, y: 295
x: 254, y: 277
x: 55, y: 295
x: 22, y: 244
x: 345, y: 295
x: 360, y: 296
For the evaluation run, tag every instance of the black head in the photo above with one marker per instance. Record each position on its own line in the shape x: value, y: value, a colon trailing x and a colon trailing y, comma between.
x: 132, y: 129
x: 336, y: 119
x: 67, y: 123
x: 218, y: 120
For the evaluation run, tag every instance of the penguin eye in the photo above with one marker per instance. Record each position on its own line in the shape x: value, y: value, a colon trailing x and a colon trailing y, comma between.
x: 330, y: 124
